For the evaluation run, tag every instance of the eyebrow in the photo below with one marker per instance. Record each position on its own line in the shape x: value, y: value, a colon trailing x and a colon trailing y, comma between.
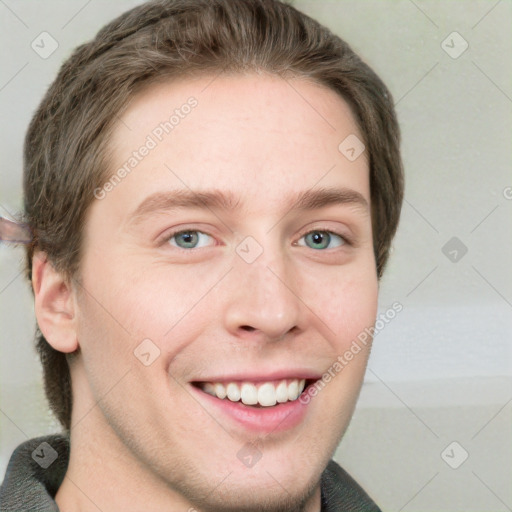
x: 224, y: 201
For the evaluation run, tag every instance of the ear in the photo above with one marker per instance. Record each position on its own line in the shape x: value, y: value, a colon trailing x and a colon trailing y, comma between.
x: 54, y: 305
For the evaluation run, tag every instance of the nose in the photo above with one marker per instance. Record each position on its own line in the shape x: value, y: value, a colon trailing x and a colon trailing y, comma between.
x: 264, y: 303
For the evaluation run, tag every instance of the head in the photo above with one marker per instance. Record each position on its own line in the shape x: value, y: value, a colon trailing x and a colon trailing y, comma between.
x: 241, y: 242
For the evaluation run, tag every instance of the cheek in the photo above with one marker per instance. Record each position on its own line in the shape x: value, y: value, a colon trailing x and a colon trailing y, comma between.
x: 146, y: 298
x: 162, y: 303
x: 133, y: 301
x: 345, y: 299
x: 106, y: 347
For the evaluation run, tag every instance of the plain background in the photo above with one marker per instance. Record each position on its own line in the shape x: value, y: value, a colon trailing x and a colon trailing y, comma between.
x: 441, y: 371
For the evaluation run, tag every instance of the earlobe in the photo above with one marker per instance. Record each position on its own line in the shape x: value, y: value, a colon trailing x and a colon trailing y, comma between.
x: 54, y: 305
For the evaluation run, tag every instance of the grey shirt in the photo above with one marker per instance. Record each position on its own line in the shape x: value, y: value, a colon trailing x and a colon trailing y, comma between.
x: 36, y: 470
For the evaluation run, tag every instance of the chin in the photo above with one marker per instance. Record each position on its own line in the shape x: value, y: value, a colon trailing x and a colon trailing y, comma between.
x: 279, y: 481
x: 235, y: 494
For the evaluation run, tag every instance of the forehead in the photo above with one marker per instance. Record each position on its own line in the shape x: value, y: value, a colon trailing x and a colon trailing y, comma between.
x: 256, y: 135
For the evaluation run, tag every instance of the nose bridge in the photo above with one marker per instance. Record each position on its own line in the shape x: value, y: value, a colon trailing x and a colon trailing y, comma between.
x: 265, y: 297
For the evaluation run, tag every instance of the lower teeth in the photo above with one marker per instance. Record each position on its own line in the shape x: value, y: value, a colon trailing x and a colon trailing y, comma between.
x: 258, y: 405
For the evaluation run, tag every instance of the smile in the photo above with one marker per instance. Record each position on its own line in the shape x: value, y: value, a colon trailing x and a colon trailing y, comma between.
x: 265, y: 404
x: 265, y: 394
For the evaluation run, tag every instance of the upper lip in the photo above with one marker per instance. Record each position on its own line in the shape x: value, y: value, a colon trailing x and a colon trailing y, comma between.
x: 254, y: 376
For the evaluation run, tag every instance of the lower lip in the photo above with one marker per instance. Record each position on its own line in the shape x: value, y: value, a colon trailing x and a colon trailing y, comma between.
x: 277, y: 418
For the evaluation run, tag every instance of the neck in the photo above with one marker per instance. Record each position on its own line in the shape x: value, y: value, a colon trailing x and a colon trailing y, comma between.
x: 101, y: 477
x: 98, y: 464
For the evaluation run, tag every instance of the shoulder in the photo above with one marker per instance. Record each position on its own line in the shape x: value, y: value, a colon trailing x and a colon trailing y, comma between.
x: 341, y: 493
x: 34, y: 473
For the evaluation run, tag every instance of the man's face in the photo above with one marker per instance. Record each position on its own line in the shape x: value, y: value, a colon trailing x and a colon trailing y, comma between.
x: 252, y: 297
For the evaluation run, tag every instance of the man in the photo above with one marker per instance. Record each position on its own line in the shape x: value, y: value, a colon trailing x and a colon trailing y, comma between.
x: 213, y: 187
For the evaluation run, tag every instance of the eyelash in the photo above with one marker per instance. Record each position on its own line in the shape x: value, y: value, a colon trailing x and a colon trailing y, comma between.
x: 346, y: 240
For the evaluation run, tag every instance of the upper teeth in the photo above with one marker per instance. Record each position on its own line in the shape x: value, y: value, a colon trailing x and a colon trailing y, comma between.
x: 266, y: 393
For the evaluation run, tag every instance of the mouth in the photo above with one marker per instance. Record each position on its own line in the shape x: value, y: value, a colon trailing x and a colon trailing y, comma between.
x: 256, y: 394
x: 264, y: 406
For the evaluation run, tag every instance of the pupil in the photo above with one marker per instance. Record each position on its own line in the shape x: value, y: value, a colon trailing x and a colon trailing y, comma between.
x: 188, y: 238
x: 320, y: 239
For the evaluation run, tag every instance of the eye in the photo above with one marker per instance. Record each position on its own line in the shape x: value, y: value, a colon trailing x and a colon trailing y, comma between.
x: 322, y: 240
x: 190, y: 239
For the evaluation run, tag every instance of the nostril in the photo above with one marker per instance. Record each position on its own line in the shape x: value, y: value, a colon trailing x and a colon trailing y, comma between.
x: 248, y: 328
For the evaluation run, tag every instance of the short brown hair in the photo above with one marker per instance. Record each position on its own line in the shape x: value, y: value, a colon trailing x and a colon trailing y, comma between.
x: 66, y: 147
